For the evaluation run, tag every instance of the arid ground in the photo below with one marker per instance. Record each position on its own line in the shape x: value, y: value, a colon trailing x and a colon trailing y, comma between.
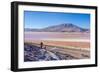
x: 58, y: 45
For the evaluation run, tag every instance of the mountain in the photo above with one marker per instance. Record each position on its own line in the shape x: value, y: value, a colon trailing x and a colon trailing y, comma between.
x: 66, y: 27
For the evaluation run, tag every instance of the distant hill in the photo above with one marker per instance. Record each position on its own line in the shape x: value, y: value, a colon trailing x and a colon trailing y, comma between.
x: 66, y: 27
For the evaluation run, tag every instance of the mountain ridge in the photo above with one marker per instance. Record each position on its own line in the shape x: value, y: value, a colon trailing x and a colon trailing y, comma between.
x: 65, y: 27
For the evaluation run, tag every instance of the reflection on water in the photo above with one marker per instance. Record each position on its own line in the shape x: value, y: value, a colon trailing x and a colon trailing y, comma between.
x: 55, y: 35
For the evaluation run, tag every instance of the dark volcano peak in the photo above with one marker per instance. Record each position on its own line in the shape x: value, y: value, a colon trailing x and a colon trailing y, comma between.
x: 64, y: 27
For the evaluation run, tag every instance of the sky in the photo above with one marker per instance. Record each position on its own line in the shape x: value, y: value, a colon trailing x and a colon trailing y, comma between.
x: 38, y: 20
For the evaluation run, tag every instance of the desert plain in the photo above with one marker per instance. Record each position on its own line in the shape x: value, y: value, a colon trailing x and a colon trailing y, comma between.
x: 74, y: 44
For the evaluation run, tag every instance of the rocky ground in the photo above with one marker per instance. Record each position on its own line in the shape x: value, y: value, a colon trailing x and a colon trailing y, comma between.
x: 35, y: 53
